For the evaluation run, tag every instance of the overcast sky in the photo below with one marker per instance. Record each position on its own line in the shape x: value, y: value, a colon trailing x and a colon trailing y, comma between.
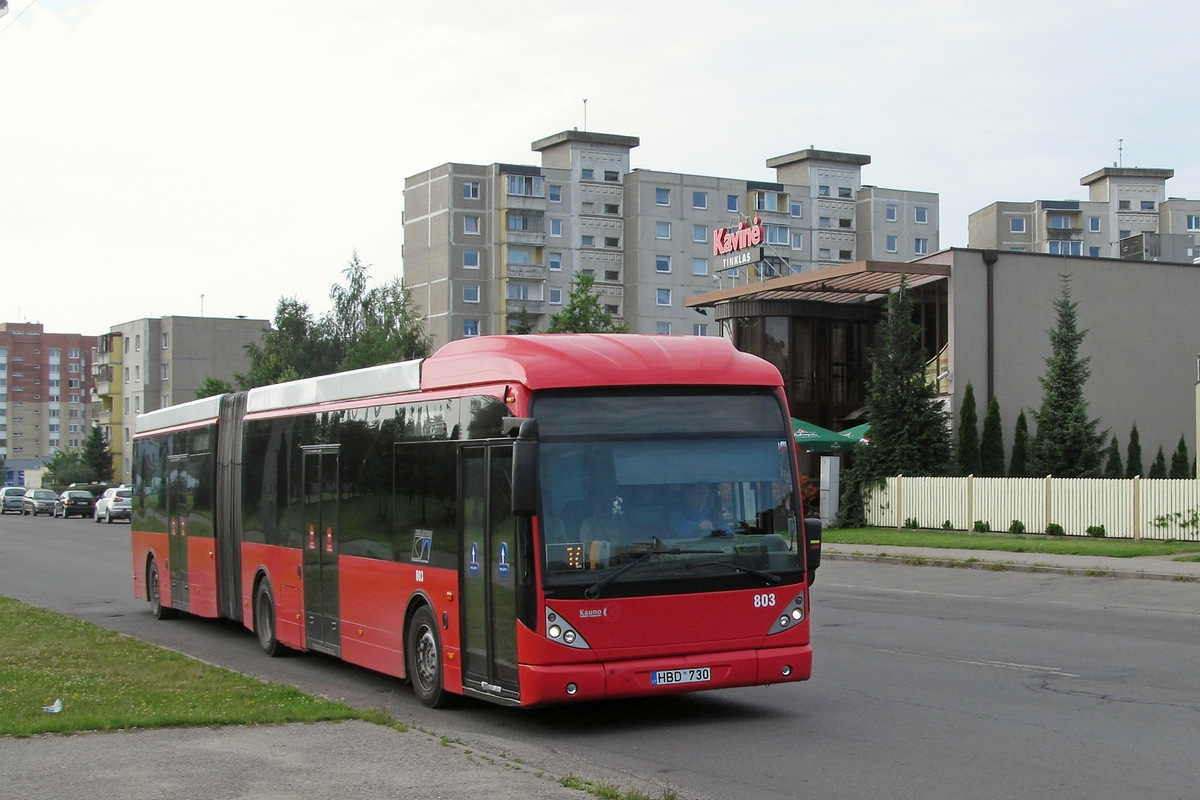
x: 162, y: 157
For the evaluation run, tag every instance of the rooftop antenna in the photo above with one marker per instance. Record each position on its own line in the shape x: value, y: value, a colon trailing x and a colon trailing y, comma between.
x: 1121, y: 152
x: 585, y: 115
x: 202, y: 305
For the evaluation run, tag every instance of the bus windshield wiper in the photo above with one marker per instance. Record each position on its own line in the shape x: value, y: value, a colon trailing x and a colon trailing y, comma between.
x: 593, y: 591
x: 769, y: 578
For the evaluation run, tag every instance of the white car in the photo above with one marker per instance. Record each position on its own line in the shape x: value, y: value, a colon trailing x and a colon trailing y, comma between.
x: 114, y: 504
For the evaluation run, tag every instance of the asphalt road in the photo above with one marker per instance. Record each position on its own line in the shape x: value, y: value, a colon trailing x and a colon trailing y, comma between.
x: 928, y: 683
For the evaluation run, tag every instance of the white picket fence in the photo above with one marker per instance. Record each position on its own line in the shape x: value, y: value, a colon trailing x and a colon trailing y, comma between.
x: 1134, y: 509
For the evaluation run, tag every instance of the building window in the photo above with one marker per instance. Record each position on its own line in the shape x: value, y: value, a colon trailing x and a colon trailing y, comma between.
x: 165, y: 377
x: 126, y: 344
x: 778, y: 234
x: 587, y: 174
x: 127, y: 373
x: 1147, y: 205
x: 613, y: 275
x: 797, y: 209
x: 699, y: 233
x: 700, y: 329
x: 662, y: 196
x: 731, y: 202
x: 921, y: 246
x: 846, y: 255
x: 527, y: 185
x: 556, y: 261
x: 1094, y: 224
x: 823, y: 254
x: 525, y: 222
x: 921, y: 214
x: 1193, y: 222
x: 662, y: 263
x: 166, y: 343
x: 1064, y: 247
x: 662, y: 230
x: 824, y: 222
x: 470, y: 327
x: 555, y: 296
x: 587, y: 240
x: 471, y: 259
x: 1058, y: 222
x: 1124, y: 234
x: 823, y: 191
x: 767, y: 201
x: 612, y: 208
x: 699, y: 199
x: 470, y: 190
x: 1016, y: 225
x: 471, y: 224
x: 612, y: 241
x: 137, y: 343
x: 843, y: 222
x: 1123, y: 205
x: 612, y: 310
x: 662, y: 328
x: 893, y: 244
x: 699, y: 266
x: 1094, y: 252
x: 555, y: 227
x: 843, y: 191
x: 662, y: 297
x: 612, y: 176
x: 797, y: 240
x: 555, y: 194
x: 891, y: 213
x: 471, y: 293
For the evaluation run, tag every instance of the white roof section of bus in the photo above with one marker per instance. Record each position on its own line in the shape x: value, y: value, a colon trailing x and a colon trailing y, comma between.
x: 183, y: 414
x: 400, y: 378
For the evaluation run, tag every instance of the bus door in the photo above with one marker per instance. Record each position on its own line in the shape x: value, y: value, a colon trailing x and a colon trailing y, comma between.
x: 321, y: 536
x: 489, y: 572
x: 177, y: 519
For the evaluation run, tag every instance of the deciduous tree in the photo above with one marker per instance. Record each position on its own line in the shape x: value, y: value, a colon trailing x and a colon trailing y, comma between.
x: 583, y: 311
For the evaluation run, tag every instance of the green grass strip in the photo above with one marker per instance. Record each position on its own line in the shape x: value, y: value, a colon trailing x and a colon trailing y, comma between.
x: 1009, y: 543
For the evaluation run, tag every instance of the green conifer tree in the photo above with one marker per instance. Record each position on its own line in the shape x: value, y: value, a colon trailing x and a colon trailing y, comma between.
x: 1113, y: 467
x: 991, y: 445
x: 1180, y: 463
x: 1068, y: 443
x: 1018, y: 465
x: 1159, y: 468
x: 966, y: 450
x: 1133, y: 455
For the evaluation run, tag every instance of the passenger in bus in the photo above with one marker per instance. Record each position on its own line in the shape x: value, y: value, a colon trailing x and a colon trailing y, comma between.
x: 692, y: 516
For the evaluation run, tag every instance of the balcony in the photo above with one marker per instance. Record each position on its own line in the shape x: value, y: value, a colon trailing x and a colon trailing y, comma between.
x: 528, y: 306
x: 535, y: 272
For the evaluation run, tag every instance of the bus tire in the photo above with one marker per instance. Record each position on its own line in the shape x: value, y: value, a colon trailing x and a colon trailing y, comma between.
x: 264, y: 619
x: 424, y: 656
x: 154, y: 593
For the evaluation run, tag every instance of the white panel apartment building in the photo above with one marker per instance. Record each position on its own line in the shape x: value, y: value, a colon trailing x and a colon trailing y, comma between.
x: 482, y: 243
x: 1123, y: 202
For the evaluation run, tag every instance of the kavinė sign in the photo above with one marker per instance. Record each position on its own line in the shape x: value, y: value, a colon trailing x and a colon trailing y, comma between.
x: 736, y: 245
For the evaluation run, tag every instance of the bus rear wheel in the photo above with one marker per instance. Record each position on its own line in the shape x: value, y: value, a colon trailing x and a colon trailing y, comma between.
x: 424, y: 655
x: 264, y: 620
x: 154, y: 594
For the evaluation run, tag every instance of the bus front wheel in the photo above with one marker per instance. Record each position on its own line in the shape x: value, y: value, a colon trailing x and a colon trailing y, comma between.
x: 154, y: 594
x: 264, y: 619
x: 425, y: 659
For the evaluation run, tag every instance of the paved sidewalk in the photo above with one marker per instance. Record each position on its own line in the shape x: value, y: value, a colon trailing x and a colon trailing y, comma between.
x: 1154, y: 567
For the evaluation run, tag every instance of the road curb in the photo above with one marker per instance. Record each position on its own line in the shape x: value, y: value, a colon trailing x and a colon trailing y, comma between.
x: 997, y: 565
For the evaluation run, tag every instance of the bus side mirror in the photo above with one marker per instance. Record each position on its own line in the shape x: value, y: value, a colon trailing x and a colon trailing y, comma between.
x: 812, y: 544
x: 524, y: 469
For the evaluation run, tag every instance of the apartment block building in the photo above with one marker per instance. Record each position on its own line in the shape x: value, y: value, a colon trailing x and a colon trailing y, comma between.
x: 483, y: 243
x: 1123, y: 202
x: 45, y: 383
x: 151, y: 363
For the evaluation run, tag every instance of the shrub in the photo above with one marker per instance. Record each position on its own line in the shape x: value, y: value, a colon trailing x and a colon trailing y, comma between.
x: 1054, y: 529
x: 982, y: 526
x: 946, y: 526
x: 1096, y: 530
x: 911, y: 522
x: 1016, y: 526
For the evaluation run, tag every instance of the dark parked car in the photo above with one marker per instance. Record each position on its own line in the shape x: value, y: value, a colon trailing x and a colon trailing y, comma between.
x: 10, y: 499
x: 75, y: 503
x: 38, y: 501
x: 114, y: 504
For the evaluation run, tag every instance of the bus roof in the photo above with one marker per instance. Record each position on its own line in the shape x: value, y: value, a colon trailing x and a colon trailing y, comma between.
x: 571, y: 360
x: 192, y: 412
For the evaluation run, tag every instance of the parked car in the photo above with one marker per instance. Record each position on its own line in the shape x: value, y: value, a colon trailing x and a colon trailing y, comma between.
x: 38, y: 501
x: 75, y: 503
x: 114, y: 504
x: 10, y: 499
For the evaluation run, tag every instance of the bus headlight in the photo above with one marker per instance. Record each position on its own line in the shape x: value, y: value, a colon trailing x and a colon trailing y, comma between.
x: 557, y: 630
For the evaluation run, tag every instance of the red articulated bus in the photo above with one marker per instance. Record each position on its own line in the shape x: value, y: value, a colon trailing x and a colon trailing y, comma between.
x: 523, y: 519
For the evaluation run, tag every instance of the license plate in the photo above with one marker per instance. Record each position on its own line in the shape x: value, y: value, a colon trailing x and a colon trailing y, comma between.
x: 670, y: 677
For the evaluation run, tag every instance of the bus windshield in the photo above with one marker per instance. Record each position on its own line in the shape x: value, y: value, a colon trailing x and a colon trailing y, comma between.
x: 652, y: 494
